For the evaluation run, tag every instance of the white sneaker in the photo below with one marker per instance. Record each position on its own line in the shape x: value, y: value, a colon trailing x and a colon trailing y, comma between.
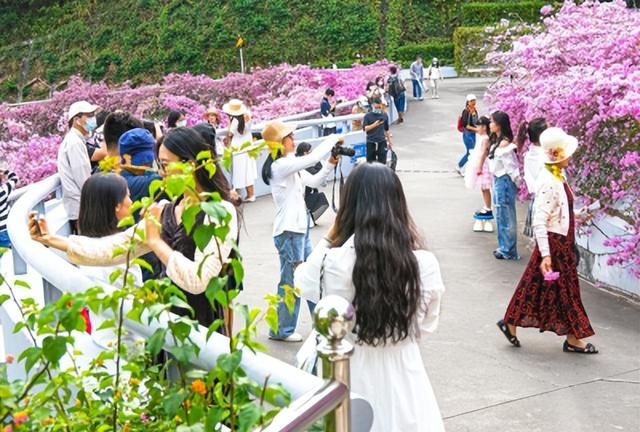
x: 250, y: 199
x: 293, y: 337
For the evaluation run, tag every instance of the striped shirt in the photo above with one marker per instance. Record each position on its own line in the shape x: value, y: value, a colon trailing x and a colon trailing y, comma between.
x: 5, y: 190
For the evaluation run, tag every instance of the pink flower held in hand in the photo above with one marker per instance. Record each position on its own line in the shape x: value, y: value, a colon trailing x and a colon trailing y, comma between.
x: 551, y: 276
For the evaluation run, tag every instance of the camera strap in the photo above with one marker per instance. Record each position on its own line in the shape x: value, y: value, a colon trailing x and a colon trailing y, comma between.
x: 335, y: 178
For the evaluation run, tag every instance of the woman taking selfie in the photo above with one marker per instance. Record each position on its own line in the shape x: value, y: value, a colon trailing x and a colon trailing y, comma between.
x: 181, y: 259
x: 374, y: 257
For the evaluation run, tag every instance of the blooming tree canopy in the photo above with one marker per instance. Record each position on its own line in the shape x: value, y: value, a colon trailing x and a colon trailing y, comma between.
x: 581, y: 71
x: 31, y: 134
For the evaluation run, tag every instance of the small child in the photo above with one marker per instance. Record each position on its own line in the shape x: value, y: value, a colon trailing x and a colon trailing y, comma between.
x: 8, y: 180
x: 478, y: 176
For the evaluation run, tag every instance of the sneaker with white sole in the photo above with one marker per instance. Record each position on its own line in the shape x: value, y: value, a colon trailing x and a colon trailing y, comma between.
x: 293, y: 337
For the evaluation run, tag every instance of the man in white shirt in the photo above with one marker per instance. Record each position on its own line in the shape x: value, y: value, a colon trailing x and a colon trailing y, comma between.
x: 288, y: 179
x: 416, y: 70
x: 74, y: 165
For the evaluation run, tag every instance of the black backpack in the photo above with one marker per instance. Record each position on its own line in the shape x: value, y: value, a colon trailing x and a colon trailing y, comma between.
x: 395, y: 86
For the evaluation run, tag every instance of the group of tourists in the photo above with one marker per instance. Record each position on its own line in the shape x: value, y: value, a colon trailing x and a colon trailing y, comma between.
x: 547, y: 296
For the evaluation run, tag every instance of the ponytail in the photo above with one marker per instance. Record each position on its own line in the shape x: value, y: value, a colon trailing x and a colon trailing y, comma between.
x: 522, y: 135
x: 266, y: 168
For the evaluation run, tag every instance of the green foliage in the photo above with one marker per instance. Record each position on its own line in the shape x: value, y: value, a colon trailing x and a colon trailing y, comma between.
x: 483, y: 13
x: 442, y: 49
x: 467, y: 47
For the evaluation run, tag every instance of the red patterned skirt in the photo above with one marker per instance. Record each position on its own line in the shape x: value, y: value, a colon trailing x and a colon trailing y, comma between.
x: 551, y: 306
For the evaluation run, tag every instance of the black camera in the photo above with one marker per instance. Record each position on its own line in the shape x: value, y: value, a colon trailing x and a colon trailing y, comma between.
x: 338, y: 151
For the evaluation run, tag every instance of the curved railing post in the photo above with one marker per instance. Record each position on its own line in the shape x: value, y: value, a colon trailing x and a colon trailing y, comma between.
x: 334, y: 318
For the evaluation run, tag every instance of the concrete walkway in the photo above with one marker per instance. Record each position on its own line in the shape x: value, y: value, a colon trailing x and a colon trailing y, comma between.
x: 482, y: 383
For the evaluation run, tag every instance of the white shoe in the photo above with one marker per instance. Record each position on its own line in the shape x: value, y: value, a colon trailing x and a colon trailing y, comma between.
x: 460, y: 171
x: 293, y: 337
x: 250, y: 199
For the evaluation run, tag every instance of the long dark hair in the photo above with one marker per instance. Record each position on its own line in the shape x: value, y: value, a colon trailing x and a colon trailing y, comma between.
x: 208, y: 133
x: 386, y: 274
x: 100, y: 195
x: 187, y: 144
x: 241, y: 123
x: 172, y: 118
x: 500, y: 118
x: 266, y: 168
x: 532, y: 129
x: 484, y: 121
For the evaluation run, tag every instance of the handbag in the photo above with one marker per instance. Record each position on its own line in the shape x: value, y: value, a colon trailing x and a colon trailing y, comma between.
x: 392, y: 159
x: 307, y: 355
x: 317, y: 204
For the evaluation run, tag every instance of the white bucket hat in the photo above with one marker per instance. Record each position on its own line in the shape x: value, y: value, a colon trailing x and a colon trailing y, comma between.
x: 557, y: 145
x: 81, y: 107
x: 235, y: 107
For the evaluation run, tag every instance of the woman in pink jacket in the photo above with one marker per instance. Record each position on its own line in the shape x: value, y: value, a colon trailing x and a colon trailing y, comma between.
x: 548, y: 294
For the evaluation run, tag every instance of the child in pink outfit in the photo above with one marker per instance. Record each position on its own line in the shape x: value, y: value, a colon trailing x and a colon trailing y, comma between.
x: 477, y: 175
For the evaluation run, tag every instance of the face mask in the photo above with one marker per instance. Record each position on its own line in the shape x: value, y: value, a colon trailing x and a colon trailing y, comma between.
x: 377, y: 110
x: 91, y: 124
x: 181, y: 123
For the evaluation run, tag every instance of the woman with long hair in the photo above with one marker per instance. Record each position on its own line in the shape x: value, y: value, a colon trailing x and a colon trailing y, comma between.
x: 176, y: 119
x: 548, y: 294
x: 243, y: 167
x: 187, y: 266
x: 533, y: 162
x: 374, y: 257
x: 469, y: 123
x: 503, y: 163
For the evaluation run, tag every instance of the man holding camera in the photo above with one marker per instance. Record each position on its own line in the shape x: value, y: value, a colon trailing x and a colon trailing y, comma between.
x: 288, y: 177
x: 328, y: 111
x: 376, y: 126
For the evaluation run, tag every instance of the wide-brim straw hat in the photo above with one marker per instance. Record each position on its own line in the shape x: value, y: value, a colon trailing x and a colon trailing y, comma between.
x: 235, y: 107
x: 275, y: 130
x: 557, y: 145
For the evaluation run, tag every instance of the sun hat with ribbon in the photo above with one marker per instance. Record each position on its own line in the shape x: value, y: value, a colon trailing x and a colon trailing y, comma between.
x: 557, y: 145
x: 235, y: 107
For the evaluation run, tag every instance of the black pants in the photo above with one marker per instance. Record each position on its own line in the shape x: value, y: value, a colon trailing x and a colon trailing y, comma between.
x: 73, y: 225
x: 328, y: 131
x: 377, y: 151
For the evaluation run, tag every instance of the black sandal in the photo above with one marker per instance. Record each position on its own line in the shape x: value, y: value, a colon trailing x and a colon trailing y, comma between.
x: 588, y: 349
x: 513, y: 340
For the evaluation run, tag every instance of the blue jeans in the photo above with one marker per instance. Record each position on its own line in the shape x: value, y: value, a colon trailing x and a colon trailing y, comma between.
x: 399, y: 102
x: 504, y: 198
x: 293, y: 249
x: 5, y: 242
x: 417, y: 88
x: 469, y: 140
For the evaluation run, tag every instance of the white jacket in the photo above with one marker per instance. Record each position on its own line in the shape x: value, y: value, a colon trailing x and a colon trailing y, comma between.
x: 551, y: 210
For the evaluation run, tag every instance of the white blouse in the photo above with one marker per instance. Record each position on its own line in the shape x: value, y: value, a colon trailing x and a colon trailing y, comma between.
x: 338, y: 268
x: 533, y: 166
x: 181, y: 270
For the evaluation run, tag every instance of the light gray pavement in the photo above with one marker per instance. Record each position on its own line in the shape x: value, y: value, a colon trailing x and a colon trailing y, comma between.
x: 481, y: 382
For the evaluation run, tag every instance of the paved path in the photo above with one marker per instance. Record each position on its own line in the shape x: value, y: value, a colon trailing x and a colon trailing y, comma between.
x: 482, y: 383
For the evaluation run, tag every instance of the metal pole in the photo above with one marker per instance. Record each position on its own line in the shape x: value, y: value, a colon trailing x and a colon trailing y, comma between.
x: 241, y: 61
x: 334, y: 318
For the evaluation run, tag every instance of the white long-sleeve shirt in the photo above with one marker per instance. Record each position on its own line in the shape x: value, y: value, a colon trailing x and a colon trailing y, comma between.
x: 74, y: 168
x: 288, y: 180
x: 533, y: 166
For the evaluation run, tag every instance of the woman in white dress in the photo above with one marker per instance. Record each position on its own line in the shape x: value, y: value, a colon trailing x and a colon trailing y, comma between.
x: 243, y: 167
x: 374, y: 257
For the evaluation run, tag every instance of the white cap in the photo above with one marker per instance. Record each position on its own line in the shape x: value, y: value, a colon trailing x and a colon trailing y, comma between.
x: 471, y: 97
x: 81, y: 107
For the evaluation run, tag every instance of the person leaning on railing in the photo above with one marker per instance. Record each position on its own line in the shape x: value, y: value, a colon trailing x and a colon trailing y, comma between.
x: 374, y: 257
x: 172, y: 245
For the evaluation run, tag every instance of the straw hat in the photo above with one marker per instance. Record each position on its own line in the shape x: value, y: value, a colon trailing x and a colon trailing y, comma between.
x: 557, y: 145
x: 211, y: 110
x: 275, y: 130
x: 235, y: 107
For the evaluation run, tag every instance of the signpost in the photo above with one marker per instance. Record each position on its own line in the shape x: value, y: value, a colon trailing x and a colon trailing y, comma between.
x: 240, y: 45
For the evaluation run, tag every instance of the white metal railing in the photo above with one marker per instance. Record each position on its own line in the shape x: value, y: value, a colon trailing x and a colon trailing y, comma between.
x: 313, y: 397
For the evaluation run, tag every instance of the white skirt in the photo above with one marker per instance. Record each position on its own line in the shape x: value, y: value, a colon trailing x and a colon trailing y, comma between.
x: 243, y: 171
x: 393, y: 379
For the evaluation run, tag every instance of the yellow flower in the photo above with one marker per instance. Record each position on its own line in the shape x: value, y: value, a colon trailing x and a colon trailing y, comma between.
x: 134, y: 381
x: 198, y: 386
x: 178, y: 419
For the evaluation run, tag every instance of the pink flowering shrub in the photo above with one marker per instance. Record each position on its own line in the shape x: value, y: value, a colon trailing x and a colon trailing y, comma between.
x: 30, y: 134
x: 580, y: 71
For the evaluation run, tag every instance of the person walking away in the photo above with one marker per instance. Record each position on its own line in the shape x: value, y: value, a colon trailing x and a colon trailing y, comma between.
x: 244, y: 172
x: 548, y: 294
x: 533, y: 163
x: 360, y: 107
x: 435, y: 76
x: 328, y: 111
x: 478, y: 176
x: 288, y: 177
x: 397, y: 90
x: 416, y: 70
x: 503, y: 163
x: 396, y: 289
x: 469, y: 122
x: 74, y: 165
x: 376, y: 126
x: 8, y: 181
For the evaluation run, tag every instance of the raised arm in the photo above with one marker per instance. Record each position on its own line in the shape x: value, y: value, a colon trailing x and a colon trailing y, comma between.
x: 286, y: 166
